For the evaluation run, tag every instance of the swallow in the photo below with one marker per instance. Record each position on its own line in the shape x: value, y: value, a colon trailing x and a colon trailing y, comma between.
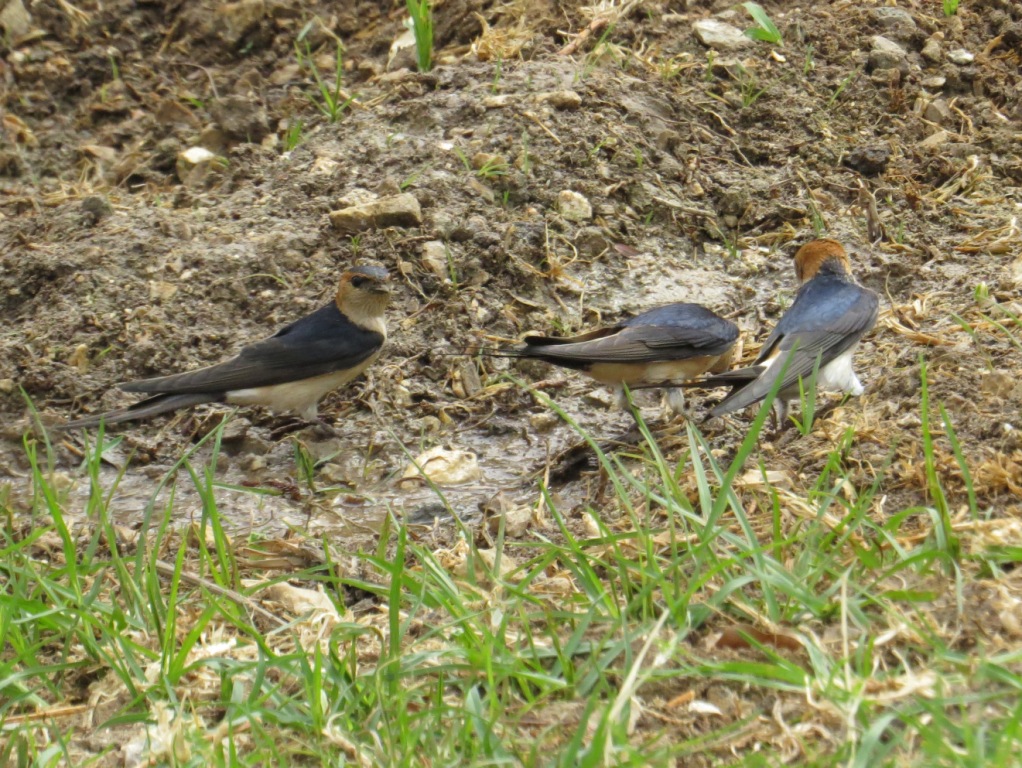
x: 829, y: 316
x: 661, y: 347
x: 290, y: 371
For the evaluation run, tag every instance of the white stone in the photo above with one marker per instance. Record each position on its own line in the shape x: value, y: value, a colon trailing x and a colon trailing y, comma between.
x: 961, y: 56
x: 435, y: 259
x: 194, y: 165
x: 573, y: 206
x: 716, y: 34
x: 886, y: 54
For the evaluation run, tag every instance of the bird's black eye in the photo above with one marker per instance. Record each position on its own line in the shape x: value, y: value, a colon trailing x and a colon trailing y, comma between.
x: 359, y: 281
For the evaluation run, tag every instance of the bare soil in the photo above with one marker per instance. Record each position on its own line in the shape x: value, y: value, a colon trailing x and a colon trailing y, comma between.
x: 704, y: 171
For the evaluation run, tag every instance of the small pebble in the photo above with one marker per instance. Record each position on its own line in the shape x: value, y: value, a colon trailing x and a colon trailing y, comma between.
x: 561, y: 99
x: 932, y: 49
x: 95, y: 208
x: 543, y: 422
x: 718, y: 35
x: 937, y: 111
x: 887, y: 54
x: 961, y: 57
x: 195, y: 164
x: 435, y: 259
x: 869, y: 160
x: 573, y: 206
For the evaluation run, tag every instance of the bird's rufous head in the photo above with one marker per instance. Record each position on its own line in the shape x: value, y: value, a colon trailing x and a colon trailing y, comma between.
x: 821, y: 256
x: 364, y: 291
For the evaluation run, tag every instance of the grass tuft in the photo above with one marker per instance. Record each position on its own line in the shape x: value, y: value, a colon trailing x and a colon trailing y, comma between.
x: 765, y: 29
x: 330, y: 98
x: 421, y: 13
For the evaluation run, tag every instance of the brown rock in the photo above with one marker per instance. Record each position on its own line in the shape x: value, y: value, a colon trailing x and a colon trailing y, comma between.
x: 14, y: 19
x: 241, y: 118
x: 173, y: 112
x: 869, y: 160
x: 397, y: 211
x: 561, y: 99
x: 239, y: 18
x: 937, y: 111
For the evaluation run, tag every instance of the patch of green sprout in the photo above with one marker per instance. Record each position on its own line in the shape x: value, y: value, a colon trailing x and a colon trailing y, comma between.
x: 730, y: 242
x: 421, y: 12
x: 1009, y: 320
x: 842, y: 85
x: 606, y: 142
x: 464, y: 158
x: 807, y: 397
x: 526, y: 158
x: 765, y: 29
x: 808, y: 65
x: 945, y: 539
x: 672, y: 67
x: 497, y: 75
x: 599, y: 50
x: 412, y: 178
x: 749, y: 87
x: 819, y: 224
x: 330, y: 101
x: 305, y: 465
x: 492, y: 168
x: 899, y: 233
x: 293, y: 134
x: 452, y: 267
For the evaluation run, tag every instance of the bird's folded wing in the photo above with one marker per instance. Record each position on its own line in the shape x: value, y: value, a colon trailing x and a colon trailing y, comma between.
x: 795, y: 358
x: 636, y: 344
x: 825, y: 305
x: 551, y: 341
x: 712, y: 339
x: 321, y: 343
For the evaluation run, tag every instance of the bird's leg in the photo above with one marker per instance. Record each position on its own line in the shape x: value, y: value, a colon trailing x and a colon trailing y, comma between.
x: 621, y: 399
x: 627, y: 404
x: 779, y: 415
x: 674, y: 401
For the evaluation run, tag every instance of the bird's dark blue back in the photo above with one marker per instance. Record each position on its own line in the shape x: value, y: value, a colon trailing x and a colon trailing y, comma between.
x: 321, y: 336
x: 828, y: 302
x: 684, y: 314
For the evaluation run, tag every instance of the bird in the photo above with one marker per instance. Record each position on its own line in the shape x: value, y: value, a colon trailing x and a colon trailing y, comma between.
x: 829, y: 316
x: 659, y: 347
x: 290, y: 371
